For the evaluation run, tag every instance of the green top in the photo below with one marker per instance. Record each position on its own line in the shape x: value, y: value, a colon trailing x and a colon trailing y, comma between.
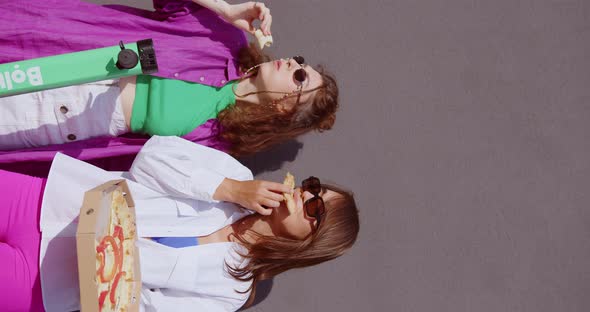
x: 175, y: 107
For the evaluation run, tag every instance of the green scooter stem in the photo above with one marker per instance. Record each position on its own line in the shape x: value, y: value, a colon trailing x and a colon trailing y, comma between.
x: 77, y: 68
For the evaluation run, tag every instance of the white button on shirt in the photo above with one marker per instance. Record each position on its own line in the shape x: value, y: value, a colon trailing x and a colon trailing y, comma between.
x: 202, y: 78
x: 172, y: 182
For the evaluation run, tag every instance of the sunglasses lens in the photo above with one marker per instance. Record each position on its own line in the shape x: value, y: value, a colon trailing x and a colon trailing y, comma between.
x: 314, y: 207
x: 300, y: 75
x: 299, y: 59
x: 312, y: 185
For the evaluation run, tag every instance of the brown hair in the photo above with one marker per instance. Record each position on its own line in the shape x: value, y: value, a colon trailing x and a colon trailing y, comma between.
x: 270, y: 255
x: 249, y: 128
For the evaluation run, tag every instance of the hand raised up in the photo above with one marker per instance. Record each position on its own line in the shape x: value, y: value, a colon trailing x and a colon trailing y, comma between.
x: 244, y: 14
x: 256, y: 195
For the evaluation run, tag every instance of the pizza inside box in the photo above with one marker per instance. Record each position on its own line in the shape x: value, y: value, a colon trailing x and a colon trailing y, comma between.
x: 108, y: 258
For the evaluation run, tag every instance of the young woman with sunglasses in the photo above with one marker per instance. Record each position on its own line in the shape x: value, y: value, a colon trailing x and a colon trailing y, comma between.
x: 257, y: 102
x: 198, y: 250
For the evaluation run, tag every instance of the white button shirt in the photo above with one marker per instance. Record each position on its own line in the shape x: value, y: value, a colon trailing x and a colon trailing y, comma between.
x: 61, y: 115
x: 172, y: 182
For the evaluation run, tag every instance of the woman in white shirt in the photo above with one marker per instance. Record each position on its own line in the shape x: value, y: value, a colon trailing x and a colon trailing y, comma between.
x: 180, y: 189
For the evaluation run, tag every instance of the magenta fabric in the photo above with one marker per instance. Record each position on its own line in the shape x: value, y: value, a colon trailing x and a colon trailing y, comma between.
x: 109, y: 153
x: 191, y: 42
x: 20, y: 207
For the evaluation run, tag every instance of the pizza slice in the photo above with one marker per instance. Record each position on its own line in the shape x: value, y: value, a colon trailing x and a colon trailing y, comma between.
x: 115, y: 253
x: 289, y: 201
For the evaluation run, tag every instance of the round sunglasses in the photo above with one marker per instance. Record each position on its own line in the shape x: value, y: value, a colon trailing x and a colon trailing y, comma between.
x: 299, y: 75
x: 314, y: 207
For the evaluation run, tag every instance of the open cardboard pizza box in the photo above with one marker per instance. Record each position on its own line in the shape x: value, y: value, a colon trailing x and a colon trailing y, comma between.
x: 108, y: 258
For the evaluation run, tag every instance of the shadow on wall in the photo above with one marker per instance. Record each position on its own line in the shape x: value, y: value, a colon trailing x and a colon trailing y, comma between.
x: 262, y: 291
x: 273, y: 158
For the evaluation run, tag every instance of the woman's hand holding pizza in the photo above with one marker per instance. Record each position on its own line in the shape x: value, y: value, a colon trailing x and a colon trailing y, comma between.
x: 244, y: 14
x: 256, y: 195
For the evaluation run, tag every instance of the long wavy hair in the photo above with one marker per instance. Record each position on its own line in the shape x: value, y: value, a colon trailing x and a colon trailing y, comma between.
x: 270, y: 255
x: 249, y: 127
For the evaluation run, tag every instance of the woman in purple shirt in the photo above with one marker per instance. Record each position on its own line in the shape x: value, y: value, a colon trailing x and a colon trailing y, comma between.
x: 199, y: 41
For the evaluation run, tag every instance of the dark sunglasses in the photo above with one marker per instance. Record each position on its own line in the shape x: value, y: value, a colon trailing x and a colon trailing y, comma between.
x: 314, y: 207
x: 299, y: 75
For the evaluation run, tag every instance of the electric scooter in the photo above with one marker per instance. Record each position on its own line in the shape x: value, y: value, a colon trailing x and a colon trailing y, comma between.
x: 77, y: 68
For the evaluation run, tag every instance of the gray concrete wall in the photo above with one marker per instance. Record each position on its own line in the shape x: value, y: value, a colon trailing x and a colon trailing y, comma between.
x: 464, y: 134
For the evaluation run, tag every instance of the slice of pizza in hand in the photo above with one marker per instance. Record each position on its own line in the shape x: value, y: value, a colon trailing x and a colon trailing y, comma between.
x: 289, y: 201
x: 262, y: 40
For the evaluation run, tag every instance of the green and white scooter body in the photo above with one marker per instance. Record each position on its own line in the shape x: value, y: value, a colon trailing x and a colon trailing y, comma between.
x: 77, y: 68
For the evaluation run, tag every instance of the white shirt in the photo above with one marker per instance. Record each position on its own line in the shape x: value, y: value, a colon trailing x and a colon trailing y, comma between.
x: 61, y: 115
x: 172, y: 182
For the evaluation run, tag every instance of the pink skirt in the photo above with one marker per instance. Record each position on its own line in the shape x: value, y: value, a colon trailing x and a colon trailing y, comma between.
x: 20, y: 207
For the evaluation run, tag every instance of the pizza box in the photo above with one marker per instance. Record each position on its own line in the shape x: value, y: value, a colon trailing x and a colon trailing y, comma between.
x: 96, y: 213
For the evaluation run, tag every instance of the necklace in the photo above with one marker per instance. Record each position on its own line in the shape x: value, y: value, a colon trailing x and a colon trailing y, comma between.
x: 244, y: 76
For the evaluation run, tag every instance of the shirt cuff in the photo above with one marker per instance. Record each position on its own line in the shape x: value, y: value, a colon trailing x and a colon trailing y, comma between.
x: 204, y: 185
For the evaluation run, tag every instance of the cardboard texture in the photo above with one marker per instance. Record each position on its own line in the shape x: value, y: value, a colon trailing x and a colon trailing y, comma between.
x: 92, y: 227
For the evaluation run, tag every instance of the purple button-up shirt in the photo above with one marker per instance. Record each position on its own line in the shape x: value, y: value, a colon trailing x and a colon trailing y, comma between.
x: 191, y: 42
